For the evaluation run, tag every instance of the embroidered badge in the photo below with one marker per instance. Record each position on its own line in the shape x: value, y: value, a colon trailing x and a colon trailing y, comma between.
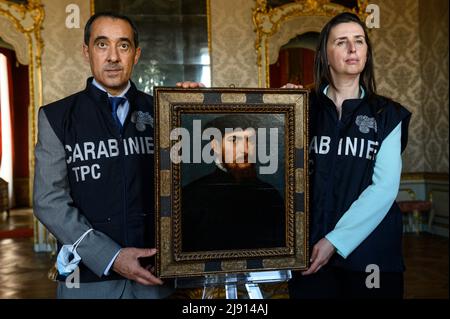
x: 365, y: 123
x: 141, y: 119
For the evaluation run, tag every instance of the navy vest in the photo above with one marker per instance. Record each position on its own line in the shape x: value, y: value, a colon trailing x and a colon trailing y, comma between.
x: 110, y: 174
x: 342, y: 157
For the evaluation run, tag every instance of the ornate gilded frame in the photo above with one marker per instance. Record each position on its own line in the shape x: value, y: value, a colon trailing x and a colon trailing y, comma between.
x: 275, y: 27
x: 26, y: 20
x: 170, y: 104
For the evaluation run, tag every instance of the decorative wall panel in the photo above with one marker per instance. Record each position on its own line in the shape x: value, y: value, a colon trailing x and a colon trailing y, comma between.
x: 233, y: 43
x: 397, y: 69
x: 64, y: 70
x: 433, y: 17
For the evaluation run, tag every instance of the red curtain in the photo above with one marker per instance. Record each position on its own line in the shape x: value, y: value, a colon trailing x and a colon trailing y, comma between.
x: 294, y: 65
x: 20, y: 119
x: 10, y: 56
x: 1, y: 131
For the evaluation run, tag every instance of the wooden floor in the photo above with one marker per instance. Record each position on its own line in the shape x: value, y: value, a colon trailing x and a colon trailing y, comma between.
x: 23, y: 273
x: 426, y: 259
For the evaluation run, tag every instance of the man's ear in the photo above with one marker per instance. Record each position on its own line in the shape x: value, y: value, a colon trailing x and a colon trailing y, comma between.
x: 86, y: 52
x: 137, y: 55
x: 214, y: 145
x: 217, y: 149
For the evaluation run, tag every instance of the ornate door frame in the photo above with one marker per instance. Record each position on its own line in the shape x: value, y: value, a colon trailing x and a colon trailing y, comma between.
x: 20, y: 26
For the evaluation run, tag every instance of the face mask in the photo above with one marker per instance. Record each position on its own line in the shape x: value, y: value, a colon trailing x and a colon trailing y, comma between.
x: 68, y: 258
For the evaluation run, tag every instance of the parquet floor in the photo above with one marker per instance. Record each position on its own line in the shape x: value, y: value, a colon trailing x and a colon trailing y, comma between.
x: 23, y: 273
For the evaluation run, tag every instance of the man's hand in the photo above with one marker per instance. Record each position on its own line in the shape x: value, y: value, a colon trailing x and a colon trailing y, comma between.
x: 321, y: 254
x: 127, y: 264
x: 292, y: 86
x: 190, y: 85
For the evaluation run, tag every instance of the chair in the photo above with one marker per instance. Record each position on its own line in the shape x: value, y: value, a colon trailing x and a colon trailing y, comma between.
x: 415, y: 209
x: 4, y: 197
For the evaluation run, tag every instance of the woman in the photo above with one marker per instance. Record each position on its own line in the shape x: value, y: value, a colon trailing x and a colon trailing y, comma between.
x: 357, y: 138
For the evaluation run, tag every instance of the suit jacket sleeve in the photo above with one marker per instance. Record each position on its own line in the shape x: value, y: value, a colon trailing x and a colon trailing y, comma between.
x: 54, y: 207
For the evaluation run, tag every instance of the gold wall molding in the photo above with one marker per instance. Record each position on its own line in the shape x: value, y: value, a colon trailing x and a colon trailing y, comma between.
x: 275, y: 27
x: 15, y: 40
x: 208, y: 22
x: 27, y: 20
x: 422, y: 176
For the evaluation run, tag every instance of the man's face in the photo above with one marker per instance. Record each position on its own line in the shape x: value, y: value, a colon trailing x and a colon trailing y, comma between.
x: 111, y: 53
x: 238, y: 150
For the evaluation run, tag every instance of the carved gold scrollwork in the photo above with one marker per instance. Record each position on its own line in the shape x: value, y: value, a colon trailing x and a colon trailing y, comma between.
x: 267, y: 23
x: 27, y: 19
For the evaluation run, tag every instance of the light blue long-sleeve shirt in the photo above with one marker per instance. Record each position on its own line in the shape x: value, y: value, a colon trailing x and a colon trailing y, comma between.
x: 367, y: 212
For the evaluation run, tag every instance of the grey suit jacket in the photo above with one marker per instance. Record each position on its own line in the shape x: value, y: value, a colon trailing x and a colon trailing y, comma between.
x: 54, y: 208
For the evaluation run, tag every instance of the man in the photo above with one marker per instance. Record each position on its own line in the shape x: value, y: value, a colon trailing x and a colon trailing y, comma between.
x: 232, y: 208
x: 90, y: 178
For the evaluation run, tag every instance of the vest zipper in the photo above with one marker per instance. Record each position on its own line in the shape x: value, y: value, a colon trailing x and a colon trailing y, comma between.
x: 124, y: 178
x: 334, y: 148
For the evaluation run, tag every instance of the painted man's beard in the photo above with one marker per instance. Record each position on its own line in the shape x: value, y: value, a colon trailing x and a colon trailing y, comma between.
x: 241, y: 171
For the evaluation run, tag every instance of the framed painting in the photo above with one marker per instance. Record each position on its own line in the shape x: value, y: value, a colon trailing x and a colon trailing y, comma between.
x: 231, y: 180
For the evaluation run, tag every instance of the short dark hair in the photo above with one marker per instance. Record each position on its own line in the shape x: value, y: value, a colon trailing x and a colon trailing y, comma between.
x: 321, y: 69
x: 112, y: 15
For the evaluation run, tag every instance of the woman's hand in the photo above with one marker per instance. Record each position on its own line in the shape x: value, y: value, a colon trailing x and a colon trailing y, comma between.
x: 292, y: 86
x: 321, y: 254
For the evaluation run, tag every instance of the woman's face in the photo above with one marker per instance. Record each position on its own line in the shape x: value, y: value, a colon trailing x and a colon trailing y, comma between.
x: 346, y: 50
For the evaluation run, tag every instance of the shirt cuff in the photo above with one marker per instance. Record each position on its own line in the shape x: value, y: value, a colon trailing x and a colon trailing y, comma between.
x: 340, y: 248
x: 108, y: 268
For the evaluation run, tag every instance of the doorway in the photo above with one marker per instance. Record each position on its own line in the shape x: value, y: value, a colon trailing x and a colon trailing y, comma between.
x: 295, y: 62
x: 14, y: 109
